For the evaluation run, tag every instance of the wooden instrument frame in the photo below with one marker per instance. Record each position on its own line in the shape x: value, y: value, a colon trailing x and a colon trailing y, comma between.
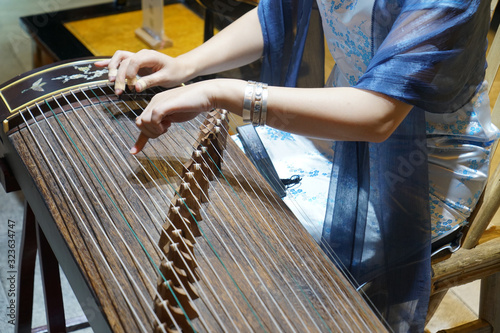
x: 44, y: 218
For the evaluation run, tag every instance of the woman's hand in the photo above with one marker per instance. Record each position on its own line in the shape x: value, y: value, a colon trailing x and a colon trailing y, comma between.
x: 152, y: 67
x: 185, y: 103
x: 171, y: 106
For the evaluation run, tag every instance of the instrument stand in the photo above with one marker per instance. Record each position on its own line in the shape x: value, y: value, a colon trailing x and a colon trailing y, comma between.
x: 152, y: 32
x: 154, y: 43
x: 34, y: 240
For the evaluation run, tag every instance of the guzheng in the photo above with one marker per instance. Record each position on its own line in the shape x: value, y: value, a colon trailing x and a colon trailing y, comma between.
x: 186, y: 236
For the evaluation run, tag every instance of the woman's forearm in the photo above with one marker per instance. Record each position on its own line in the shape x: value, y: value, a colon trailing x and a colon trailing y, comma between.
x: 348, y: 114
x: 238, y: 44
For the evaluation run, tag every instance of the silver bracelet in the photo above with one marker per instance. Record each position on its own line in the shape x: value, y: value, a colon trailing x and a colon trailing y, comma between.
x: 257, y: 104
x: 247, y: 101
x: 263, y: 114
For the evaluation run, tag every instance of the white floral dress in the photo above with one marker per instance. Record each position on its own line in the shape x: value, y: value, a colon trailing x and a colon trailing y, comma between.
x: 458, y: 143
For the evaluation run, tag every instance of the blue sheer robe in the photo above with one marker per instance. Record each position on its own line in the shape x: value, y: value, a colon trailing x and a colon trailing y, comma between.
x: 430, y: 54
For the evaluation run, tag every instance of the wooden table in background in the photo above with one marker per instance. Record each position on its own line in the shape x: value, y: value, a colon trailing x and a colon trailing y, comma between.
x: 102, y: 29
x: 102, y: 36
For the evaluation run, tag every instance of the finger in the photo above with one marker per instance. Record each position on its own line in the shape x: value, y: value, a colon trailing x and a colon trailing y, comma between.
x: 143, y: 118
x: 112, y: 74
x: 139, y: 144
x: 105, y: 63
x: 102, y: 63
x: 130, y: 67
x: 131, y: 82
x: 148, y: 129
x: 148, y: 81
x: 145, y: 59
x: 165, y: 125
x: 141, y: 85
x: 119, y: 86
x: 120, y: 77
x: 133, y: 66
x: 115, y: 62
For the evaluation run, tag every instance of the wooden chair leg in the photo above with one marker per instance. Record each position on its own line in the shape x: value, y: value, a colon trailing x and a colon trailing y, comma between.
x: 26, y: 272
x: 489, y: 306
x: 51, y: 282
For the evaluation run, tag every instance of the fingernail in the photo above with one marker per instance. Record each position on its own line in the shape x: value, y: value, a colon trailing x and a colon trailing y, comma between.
x: 141, y: 85
x: 133, y: 150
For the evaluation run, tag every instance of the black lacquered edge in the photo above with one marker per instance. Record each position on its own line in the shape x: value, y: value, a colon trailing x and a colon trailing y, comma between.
x: 43, y: 82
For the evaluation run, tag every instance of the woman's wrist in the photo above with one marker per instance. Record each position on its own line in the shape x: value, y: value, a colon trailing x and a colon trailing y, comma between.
x: 186, y: 67
x: 227, y: 94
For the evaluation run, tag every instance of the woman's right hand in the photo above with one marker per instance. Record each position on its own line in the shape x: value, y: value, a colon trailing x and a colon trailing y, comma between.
x: 144, y: 69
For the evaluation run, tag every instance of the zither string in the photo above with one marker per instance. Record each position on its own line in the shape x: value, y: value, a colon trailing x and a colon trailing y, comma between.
x: 120, y: 191
x: 154, y: 200
x: 100, y: 203
x: 262, y: 234
x: 298, y: 207
x: 243, y: 234
x: 215, y: 230
x: 62, y: 187
x: 325, y: 245
x: 228, y: 157
x: 108, y: 110
x: 88, y: 166
x: 346, y: 299
x: 173, y: 139
x: 263, y: 304
x: 193, y: 217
